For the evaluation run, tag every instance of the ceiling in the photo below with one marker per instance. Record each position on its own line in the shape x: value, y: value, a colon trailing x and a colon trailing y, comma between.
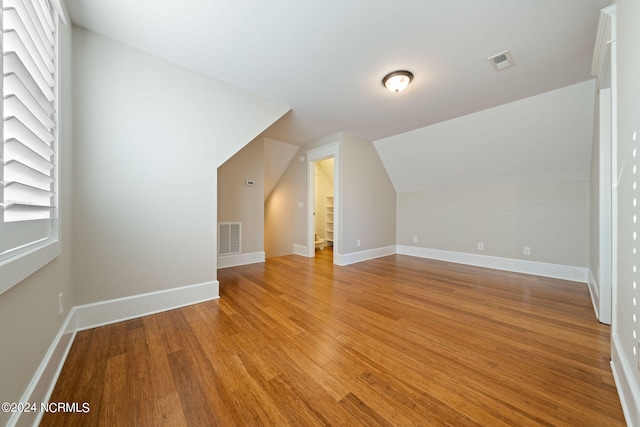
x: 543, y: 138
x: 326, y: 59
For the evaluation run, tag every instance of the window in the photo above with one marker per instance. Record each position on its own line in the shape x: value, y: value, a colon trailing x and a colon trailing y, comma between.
x: 29, y: 152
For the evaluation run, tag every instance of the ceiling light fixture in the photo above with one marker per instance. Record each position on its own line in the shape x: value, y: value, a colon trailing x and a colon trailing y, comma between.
x: 397, y: 81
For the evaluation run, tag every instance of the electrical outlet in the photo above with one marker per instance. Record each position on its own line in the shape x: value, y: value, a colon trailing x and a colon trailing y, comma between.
x: 481, y: 246
x: 415, y: 239
x: 358, y: 243
x: 527, y: 250
x: 60, y: 304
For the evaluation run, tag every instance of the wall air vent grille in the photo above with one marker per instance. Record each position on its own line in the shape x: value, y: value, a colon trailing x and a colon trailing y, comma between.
x: 229, y: 238
x: 502, y: 61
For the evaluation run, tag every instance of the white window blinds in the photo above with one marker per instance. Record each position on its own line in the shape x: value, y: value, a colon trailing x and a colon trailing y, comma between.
x: 29, y: 130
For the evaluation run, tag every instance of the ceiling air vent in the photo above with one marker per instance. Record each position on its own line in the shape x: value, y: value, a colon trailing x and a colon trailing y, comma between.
x: 502, y: 60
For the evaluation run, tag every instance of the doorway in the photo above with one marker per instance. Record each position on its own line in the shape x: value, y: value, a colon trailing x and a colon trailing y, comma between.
x: 324, y: 215
x: 323, y: 200
x: 604, y: 67
x: 606, y: 208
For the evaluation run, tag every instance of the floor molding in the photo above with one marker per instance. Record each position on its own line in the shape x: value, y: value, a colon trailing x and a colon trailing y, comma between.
x: 117, y: 310
x: 627, y: 387
x: 42, y: 384
x: 564, y: 272
x: 98, y: 314
x: 556, y: 271
x: 300, y: 250
x: 240, y: 259
x: 353, y: 257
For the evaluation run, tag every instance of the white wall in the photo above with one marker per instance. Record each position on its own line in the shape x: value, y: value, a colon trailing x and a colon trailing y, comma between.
x: 551, y: 218
x: 137, y: 191
x: 512, y: 176
x: 285, y: 222
x: 368, y: 201
x: 29, y: 317
x: 239, y: 203
x: 626, y: 312
x: 150, y: 136
x: 547, y: 136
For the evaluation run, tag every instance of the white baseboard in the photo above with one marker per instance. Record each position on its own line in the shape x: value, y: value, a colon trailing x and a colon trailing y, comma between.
x: 564, y: 272
x: 46, y: 376
x: 98, y: 314
x: 301, y: 250
x: 352, y: 258
x: 627, y: 388
x: 117, y: 310
x: 240, y: 259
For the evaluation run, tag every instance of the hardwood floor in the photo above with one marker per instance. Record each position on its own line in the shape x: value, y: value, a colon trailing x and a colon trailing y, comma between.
x: 392, y: 341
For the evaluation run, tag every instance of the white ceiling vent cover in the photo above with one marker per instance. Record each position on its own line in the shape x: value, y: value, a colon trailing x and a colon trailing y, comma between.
x: 229, y: 237
x: 502, y: 61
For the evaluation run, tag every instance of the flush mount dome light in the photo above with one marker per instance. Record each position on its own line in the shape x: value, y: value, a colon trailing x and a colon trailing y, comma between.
x: 397, y: 81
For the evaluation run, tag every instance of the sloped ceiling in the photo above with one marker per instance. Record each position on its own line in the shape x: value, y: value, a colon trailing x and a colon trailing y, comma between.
x: 544, y: 137
x: 277, y: 156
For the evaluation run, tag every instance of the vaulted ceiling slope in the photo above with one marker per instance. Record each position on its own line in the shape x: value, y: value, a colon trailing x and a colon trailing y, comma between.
x: 326, y: 59
x: 546, y: 137
x: 277, y: 156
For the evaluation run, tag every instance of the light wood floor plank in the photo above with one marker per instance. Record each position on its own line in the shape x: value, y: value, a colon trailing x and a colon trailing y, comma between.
x: 392, y: 341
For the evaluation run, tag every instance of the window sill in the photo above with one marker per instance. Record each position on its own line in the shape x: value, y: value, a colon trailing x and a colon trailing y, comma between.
x: 17, y: 268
